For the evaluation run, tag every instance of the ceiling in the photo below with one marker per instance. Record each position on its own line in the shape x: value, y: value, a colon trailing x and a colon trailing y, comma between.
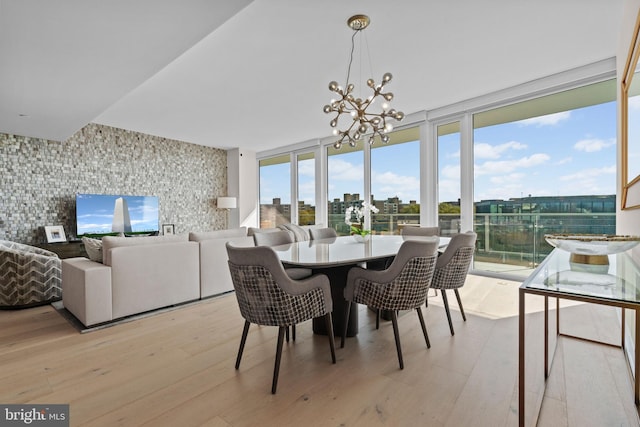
x: 254, y: 74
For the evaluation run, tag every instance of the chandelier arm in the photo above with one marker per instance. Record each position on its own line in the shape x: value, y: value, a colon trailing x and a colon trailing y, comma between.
x: 353, y: 38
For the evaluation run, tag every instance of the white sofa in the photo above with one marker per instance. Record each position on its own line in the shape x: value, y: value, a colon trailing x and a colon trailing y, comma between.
x: 137, y: 275
x: 214, y: 270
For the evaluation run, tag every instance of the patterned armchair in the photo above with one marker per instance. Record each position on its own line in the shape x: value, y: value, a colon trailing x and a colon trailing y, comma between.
x: 402, y: 286
x: 452, y: 268
x: 29, y: 275
x: 268, y: 296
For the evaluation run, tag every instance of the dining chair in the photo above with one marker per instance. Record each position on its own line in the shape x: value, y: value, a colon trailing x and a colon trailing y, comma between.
x: 274, y: 237
x: 452, y: 268
x: 267, y: 296
x: 277, y: 238
x: 322, y: 233
x: 420, y: 231
x: 402, y: 286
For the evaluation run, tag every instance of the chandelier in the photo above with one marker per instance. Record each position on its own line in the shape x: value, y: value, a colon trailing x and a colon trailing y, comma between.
x: 355, y: 109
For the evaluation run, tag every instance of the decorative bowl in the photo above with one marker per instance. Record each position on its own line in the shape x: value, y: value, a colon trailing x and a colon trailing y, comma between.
x: 592, y: 244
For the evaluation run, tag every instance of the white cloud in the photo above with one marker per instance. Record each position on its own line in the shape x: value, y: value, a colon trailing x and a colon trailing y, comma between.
x: 588, y: 175
x: 340, y: 170
x: 307, y: 168
x: 634, y: 103
x: 593, y: 145
x: 482, y: 150
x: 390, y: 184
x: 548, y: 120
x: 451, y: 172
x: 588, y: 181
x: 564, y: 161
x: 507, y: 179
x: 507, y: 166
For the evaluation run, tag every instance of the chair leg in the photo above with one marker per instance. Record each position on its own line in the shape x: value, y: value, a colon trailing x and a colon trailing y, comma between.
x: 276, y: 368
x: 424, y: 327
x: 293, y: 332
x: 460, y: 304
x: 347, y: 311
x: 286, y: 334
x: 245, y: 331
x: 446, y: 307
x: 332, y: 344
x: 377, y: 318
x: 394, y: 320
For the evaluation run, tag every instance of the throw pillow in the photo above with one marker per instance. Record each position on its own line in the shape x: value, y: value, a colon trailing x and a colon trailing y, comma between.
x: 93, y: 248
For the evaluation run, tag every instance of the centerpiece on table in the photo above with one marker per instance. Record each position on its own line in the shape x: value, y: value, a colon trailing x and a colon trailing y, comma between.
x: 354, y: 218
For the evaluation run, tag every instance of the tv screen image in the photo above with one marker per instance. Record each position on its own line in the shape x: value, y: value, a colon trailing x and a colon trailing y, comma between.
x: 103, y: 214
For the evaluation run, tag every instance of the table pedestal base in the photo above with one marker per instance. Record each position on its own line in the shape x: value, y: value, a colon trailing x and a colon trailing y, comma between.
x: 338, y: 279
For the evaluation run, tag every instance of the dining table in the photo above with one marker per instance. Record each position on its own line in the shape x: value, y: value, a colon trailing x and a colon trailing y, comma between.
x: 335, y: 256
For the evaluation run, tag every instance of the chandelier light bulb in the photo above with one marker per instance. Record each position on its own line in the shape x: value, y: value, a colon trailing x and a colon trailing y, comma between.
x: 385, y: 105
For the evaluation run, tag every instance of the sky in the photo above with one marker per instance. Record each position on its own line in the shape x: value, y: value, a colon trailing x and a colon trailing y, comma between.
x: 95, y: 213
x: 567, y: 153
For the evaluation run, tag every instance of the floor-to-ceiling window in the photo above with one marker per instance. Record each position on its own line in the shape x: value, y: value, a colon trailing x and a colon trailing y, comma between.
x: 513, y: 173
x: 345, y: 183
x: 306, y: 188
x: 275, y: 191
x: 449, y: 178
x: 395, y: 182
x: 543, y: 166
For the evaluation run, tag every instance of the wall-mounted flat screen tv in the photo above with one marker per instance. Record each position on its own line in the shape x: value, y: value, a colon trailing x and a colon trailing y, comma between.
x: 104, y: 214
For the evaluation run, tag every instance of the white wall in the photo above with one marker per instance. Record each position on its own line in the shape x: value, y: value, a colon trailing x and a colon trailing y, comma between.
x: 242, y: 183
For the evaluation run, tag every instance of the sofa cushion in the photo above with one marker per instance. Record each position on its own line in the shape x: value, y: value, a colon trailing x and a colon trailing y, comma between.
x: 299, y: 233
x: 93, y: 248
x: 110, y: 242
x: 217, y: 234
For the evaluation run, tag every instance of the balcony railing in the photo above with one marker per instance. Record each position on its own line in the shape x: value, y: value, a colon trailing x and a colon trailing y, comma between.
x: 515, y: 240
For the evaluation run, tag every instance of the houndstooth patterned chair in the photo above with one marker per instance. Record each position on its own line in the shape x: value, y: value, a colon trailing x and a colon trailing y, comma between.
x: 267, y: 296
x: 29, y: 275
x: 452, y: 268
x: 402, y: 286
x: 277, y: 237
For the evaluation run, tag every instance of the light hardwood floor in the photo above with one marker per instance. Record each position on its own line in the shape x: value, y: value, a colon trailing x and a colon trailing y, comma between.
x: 177, y: 369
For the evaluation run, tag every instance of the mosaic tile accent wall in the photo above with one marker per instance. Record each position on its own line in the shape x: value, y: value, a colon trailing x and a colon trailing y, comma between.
x: 40, y: 178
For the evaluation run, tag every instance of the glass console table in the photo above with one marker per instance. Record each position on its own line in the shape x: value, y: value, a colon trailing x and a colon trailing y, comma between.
x: 612, y: 280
